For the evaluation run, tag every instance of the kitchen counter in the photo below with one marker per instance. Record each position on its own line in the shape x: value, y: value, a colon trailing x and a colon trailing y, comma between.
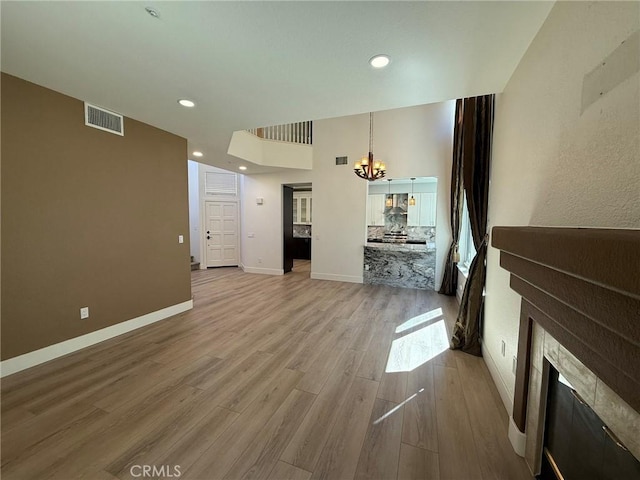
x: 400, y: 265
x: 301, y: 230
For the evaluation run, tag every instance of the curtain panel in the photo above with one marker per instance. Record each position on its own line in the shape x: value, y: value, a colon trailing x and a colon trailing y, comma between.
x: 478, y: 114
x: 450, y: 276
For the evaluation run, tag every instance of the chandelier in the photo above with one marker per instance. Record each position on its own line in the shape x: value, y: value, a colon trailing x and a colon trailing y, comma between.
x: 367, y: 167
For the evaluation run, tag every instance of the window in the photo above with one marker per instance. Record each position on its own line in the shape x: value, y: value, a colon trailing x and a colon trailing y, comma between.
x: 465, y: 246
x: 218, y: 183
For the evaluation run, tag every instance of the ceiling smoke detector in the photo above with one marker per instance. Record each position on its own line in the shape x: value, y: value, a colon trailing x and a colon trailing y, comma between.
x: 153, y: 12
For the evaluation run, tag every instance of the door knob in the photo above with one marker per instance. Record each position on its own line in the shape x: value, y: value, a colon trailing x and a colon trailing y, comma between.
x: 208, y: 232
x: 208, y: 237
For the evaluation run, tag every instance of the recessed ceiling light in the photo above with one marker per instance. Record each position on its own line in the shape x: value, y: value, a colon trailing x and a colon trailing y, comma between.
x: 198, y: 153
x: 186, y: 103
x: 379, y: 61
x: 242, y: 167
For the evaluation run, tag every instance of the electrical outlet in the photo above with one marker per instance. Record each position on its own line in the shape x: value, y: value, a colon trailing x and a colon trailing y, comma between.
x: 503, y: 348
x: 366, y: 267
x: 259, y: 259
x: 180, y: 238
x: 84, y: 313
x: 514, y: 365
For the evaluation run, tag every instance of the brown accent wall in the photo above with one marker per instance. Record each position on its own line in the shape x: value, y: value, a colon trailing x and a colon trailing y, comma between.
x: 89, y: 218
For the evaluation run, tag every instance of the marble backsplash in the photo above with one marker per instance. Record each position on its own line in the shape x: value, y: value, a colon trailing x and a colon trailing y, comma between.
x: 426, y: 234
x: 302, y: 231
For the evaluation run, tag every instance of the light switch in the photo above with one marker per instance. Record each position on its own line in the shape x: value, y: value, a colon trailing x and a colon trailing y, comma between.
x: 180, y: 238
x: 84, y: 313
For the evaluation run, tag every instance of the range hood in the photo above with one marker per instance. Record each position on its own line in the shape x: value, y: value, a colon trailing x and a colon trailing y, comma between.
x: 397, y: 209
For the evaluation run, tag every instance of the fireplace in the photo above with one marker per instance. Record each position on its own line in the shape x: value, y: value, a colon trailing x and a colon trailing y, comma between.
x: 580, y: 318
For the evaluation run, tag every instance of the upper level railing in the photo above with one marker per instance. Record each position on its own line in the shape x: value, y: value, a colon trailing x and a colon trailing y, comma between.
x: 300, y: 132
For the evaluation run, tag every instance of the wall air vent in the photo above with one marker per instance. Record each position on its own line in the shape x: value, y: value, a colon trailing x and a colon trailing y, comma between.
x: 98, y: 117
x: 341, y: 160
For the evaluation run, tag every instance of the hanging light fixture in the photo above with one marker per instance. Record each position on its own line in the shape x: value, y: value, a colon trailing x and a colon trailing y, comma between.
x: 389, y: 201
x: 367, y: 167
x: 412, y: 201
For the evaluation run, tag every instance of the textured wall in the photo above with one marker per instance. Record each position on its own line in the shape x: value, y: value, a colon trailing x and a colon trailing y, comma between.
x: 554, y: 164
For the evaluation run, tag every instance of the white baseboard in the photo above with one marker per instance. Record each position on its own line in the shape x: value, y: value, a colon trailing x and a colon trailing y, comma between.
x: 497, y: 379
x: 263, y: 271
x: 337, y: 278
x: 516, y: 437
x: 31, y: 359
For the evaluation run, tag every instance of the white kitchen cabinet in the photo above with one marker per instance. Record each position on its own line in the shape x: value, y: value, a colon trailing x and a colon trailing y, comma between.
x: 302, y: 208
x: 375, y: 211
x: 423, y: 213
x: 428, y: 209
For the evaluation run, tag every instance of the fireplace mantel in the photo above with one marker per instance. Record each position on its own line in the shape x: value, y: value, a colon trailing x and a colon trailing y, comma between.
x: 581, y: 285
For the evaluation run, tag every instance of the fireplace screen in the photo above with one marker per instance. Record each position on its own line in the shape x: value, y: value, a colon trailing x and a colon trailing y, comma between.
x: 577, y: 444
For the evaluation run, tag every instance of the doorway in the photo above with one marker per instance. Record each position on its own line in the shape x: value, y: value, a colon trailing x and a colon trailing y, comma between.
x: 287, y: 228
x: 297, y: 217
x: 221, y: 235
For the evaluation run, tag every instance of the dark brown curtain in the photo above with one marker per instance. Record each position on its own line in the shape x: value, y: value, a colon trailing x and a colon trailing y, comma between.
x: 476, y: 157
x: 450, y: 277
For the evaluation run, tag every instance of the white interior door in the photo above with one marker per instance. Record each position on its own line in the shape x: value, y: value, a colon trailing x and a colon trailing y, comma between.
x: 221, y: 235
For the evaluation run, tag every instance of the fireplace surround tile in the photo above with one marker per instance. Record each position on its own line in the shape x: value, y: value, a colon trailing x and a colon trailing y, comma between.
x: 532, y: 453
x: 537, y: 345
x: 619, y: 417
x: 582, y: 379
x: 550, y: 348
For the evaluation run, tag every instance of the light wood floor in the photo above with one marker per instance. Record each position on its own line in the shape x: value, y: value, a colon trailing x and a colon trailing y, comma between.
x: 270, y: 378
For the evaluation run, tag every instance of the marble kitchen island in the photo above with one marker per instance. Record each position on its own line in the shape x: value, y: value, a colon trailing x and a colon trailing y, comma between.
x: 400, y: 265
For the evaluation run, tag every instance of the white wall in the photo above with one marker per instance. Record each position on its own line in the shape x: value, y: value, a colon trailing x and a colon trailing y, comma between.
x: 272, y: 153
x: 194, y: 210
x: 552, y: 164
x: 262, y: 253
x: 339, y: 199
x: 414, y: 142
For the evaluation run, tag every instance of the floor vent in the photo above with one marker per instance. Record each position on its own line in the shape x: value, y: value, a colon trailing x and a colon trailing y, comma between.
x: 97, y: 117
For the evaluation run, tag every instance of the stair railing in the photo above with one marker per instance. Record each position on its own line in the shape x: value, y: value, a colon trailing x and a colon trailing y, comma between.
x: 300, y: 132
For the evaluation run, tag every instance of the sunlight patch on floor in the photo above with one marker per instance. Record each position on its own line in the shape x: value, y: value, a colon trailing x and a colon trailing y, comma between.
x: 397, y: 407
x: 417, y: 348
x: 425, y: 317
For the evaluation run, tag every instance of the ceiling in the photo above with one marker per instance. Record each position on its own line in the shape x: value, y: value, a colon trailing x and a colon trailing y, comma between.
x: 252, y: 64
